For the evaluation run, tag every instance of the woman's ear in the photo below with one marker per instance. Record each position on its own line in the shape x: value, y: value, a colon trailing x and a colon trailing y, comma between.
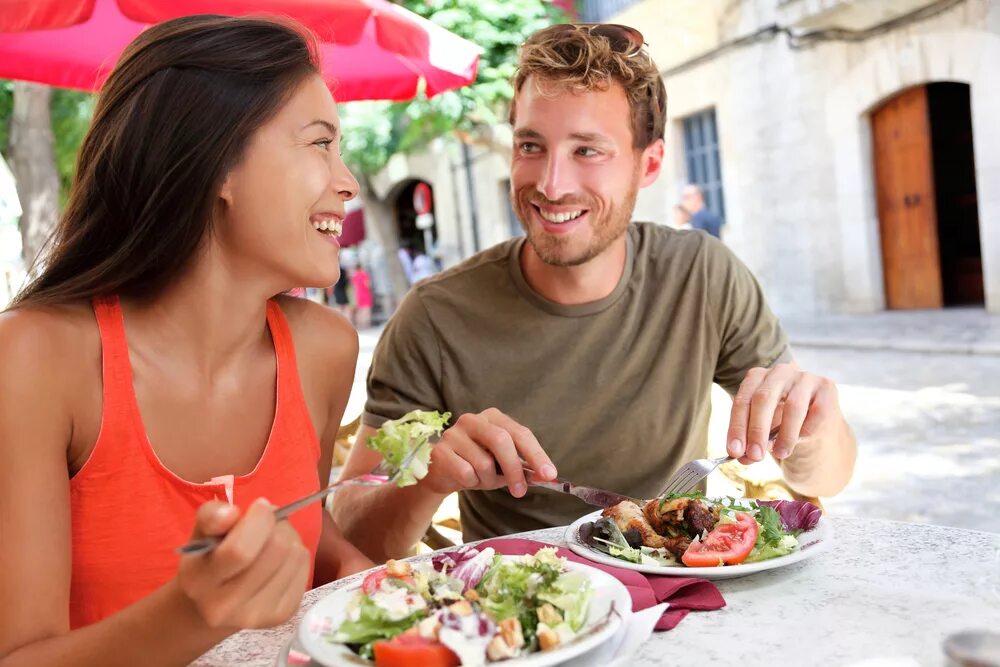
x: 226, y: 191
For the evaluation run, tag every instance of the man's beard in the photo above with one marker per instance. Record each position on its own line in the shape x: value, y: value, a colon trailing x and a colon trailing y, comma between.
x: 555, y: 250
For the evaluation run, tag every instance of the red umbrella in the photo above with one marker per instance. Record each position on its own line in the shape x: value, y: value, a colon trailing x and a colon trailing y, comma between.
x: 381, y: 53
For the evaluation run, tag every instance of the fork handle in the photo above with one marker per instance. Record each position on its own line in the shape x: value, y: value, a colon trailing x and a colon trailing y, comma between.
x: 205, y: 544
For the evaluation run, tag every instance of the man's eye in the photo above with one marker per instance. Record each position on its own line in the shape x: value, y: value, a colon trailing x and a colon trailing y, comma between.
x: 528, y: 147
x: 588, y: 152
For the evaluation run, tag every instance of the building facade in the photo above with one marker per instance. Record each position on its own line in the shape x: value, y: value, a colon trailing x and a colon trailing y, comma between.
x: 851, y: 147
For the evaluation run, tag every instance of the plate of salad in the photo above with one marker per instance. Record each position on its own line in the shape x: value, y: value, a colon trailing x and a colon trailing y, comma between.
x: 467, y: 607
x: 691, y: 535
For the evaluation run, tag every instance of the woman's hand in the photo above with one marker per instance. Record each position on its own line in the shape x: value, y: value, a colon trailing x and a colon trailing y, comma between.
x: 255, y: 578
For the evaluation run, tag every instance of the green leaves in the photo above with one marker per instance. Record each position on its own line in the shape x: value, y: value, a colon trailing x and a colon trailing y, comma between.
x: 374, y: 132
x: 397, y: 438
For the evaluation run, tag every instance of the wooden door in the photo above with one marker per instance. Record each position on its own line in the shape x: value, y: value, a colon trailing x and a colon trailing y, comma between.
x: 904, y: 182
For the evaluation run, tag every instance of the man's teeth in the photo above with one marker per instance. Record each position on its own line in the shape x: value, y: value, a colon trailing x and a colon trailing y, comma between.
x: 560, y: 217
x: 332, y: 226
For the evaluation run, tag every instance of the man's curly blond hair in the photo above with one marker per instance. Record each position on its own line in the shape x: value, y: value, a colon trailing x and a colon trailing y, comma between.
x: 571, y: 57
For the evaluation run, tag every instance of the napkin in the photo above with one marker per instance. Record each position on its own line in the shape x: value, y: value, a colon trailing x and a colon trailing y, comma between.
x: 683, y: 594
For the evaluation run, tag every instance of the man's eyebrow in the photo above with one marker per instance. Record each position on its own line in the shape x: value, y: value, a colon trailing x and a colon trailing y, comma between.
x: 330, y: 127
x: 590, y: 137
x: 525, y: 133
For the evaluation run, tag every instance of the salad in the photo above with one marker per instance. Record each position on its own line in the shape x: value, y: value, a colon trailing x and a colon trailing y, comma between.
x: 465, y: 607
x: 694, y: 531
x: 404, y: 443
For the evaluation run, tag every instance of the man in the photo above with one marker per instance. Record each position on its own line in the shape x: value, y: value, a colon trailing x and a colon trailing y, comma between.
x: 590, y: 346
x: 701, y: 218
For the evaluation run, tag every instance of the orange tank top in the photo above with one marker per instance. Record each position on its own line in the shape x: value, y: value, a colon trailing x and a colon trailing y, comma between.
x: 129, y: 512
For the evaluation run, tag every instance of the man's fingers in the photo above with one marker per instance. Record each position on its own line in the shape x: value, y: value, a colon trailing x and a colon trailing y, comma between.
x: 793, y: 414
x: 740, y: 415
x: 482, y: 462
x: 763, y: 404
x: 449, y: 466
x: 527, y: 446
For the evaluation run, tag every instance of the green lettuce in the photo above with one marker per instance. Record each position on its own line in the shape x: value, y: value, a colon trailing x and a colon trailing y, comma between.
x: 398, y: 438
x: 372, y: 624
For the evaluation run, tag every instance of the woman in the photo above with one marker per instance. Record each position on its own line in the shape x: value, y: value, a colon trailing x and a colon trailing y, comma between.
x: 148, y: 375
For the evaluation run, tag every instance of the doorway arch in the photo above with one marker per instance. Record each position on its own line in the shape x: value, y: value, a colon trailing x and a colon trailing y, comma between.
x: 926, y: 197
x: 963, y: 56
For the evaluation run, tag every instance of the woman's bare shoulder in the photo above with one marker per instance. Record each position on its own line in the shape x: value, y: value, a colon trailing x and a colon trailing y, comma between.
x: 318, y: 325
x: 38, y: 338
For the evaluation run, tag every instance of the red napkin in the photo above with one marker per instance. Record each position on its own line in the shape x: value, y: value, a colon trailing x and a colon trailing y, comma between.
x: 683, y: 593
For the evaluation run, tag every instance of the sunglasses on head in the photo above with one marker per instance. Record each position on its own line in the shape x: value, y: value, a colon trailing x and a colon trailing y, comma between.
x: 623, y: 39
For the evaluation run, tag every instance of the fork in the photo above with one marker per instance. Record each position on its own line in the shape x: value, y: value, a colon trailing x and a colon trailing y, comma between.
x: 697, y: 470
x: 384, y: 473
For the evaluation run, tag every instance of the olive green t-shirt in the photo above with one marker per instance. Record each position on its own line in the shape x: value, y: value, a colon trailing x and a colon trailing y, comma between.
x: 617, y: 391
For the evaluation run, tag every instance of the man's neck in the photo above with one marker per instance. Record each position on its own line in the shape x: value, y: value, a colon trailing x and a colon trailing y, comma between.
x: 572, y: 285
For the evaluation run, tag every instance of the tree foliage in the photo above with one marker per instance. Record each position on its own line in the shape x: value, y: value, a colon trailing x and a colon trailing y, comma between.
x: 71, y: 114
x: 375, y: 131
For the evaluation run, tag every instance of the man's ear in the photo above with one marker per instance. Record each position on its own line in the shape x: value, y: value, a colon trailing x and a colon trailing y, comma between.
x: 652, y: 162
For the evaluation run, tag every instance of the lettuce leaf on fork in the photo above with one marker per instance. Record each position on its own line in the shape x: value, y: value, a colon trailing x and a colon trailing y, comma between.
x: 396, y: 439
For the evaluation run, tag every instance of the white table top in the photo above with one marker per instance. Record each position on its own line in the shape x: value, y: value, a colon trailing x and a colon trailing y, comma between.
x: 885, y: 592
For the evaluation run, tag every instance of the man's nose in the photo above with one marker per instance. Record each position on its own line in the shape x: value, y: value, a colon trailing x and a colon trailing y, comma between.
x: 557, y: 179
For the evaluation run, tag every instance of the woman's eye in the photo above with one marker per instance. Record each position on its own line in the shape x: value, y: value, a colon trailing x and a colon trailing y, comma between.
x: 323, y: 143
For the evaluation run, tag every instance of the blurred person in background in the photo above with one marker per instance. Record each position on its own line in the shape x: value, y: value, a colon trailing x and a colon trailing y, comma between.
x: 337, y: 295
x: 681, y: 218
x: 152, y: 386
x: 361, y: 287
x: 693, y: 201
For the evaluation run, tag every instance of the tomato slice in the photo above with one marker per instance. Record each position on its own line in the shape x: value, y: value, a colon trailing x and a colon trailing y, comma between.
x: 728, y: 544
x: 373, y: 581
x: 412, y: 650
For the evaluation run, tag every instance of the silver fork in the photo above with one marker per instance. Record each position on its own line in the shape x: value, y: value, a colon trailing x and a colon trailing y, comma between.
x: 384, y: 473
x: 697, y: 470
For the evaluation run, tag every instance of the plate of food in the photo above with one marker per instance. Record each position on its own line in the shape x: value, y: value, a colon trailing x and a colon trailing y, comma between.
x: 467, y: 607
x: 691, y: 535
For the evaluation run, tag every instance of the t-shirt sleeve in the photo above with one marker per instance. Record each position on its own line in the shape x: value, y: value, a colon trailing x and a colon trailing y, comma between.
x: 750, y: 335
x: 405, y: 372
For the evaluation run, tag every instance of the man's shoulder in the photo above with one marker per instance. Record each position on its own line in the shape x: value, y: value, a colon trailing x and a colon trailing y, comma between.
x: 659, y: 243
x: 469, y: 275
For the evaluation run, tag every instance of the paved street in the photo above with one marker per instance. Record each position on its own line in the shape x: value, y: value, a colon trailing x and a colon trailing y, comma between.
x: 928, y: 422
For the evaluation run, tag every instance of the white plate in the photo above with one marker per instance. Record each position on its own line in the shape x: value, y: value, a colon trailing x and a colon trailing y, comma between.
x: 811, y: 543
x: 606, y: 591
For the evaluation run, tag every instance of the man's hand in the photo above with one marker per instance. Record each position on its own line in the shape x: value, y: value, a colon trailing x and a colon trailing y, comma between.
x: 805, y: 405
x: 470, y: 453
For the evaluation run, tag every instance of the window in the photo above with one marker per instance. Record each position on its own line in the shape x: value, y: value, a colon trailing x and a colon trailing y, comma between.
x: 701, y: 157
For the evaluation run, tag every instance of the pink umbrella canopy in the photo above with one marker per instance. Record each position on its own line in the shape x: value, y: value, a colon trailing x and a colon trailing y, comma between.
x: 381, y: 51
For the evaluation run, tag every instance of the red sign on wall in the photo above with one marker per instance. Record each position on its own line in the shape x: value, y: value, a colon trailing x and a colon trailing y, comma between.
x: 423, y: 202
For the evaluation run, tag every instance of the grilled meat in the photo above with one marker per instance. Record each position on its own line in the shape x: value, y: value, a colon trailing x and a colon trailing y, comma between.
x: 700, y: 518
x: 680, y: 516
x: 629, y: 516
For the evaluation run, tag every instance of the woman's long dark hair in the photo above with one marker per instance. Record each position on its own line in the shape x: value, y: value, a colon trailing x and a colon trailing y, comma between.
x: 173, y: 118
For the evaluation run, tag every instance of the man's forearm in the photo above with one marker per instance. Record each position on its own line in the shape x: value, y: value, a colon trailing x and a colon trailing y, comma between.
x: 822, y: 467
x: 385, y: 521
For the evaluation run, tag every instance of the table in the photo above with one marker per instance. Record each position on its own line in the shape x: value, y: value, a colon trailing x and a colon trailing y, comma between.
x: 884, y: 590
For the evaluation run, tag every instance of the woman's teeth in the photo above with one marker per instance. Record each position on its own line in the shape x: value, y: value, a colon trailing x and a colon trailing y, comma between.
x: 330, y: 226
x: 560, y: 217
